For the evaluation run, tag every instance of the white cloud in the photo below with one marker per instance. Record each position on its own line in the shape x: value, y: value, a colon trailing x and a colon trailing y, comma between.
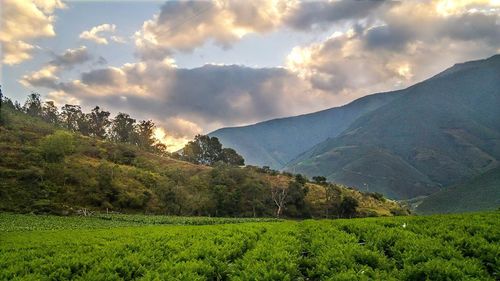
x: 401, y: 45
x: 98, y: 33
x: 22, y: 22
x: 185, y: 25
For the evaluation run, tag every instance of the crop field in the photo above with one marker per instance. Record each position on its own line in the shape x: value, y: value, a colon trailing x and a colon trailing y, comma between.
x: 134, y: 247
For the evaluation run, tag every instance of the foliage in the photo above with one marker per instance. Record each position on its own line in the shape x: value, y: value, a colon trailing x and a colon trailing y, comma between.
x: 56, y: 146
x: 129, y: 247
x: 48, y: 169
x: 207, y: 150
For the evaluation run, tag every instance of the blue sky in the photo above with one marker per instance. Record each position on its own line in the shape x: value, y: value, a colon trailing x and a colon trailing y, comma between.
x: 268, y: 59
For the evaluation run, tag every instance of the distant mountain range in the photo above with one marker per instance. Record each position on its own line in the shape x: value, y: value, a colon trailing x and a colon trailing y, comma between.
x: 407, y: 143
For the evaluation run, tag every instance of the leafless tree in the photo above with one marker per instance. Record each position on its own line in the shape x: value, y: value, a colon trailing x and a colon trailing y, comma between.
x: 279, y: 194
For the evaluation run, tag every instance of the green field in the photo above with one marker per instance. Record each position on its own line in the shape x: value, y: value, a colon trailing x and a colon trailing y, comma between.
x: 135, y: 247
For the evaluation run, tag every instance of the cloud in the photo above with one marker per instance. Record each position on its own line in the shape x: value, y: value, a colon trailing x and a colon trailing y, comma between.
x: 186, y: 25
x: 310, y: 14
x: 47, y: 76
x: 72, y: 57
x: 402, y: 44
x: 186, y: 102
x: 96, y: 34
x: 22, y: 22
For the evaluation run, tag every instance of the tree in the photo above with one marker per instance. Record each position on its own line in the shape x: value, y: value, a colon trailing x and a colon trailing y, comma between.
x: 99, y: 122
x: 348, y: 207
x: 123, y: 128
x: 70, y: 114
x: 50, y: 113
x: 279, y: 195
x: 319, y: 180
x: 33, y: 105
x: 230, y: 156
x: 144, y: 136
x: 208, y: 150
x: 332, y: 200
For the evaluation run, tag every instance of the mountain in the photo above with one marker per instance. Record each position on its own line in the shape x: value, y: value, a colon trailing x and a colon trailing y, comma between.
x: 478, y: 194
x: 276, y: 142
x: 45, y: 168
x: 437, y: 133
x: 404, y: 144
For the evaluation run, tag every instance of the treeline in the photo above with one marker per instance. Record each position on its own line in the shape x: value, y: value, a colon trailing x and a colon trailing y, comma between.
x: 123, y: 128
x: 97, y: 123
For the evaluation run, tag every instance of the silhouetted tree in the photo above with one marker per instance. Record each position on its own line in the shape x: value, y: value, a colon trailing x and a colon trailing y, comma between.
x: 123, y: 128
x: 144, y: 136
x: 50, y: 113
x: 319, y: 180
x: 33, y: 105
x: 208, y: 150
x: 99, y: 122
x: 230, y: 156
x: 70, y: 114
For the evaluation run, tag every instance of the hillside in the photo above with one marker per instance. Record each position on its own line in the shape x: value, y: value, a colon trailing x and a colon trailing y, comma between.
x: 47, y: 169
x: 276, y: 142
x: 479, y: 193
x: 436, y: 133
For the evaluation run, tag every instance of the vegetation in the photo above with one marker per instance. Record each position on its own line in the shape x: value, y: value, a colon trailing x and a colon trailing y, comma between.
x: 479, y: 193
x: 446, y: 247
x: 406, y: 143
x: 74, y: 162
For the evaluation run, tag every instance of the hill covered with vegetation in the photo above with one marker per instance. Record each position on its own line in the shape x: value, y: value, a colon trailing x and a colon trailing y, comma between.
x: 480, y: 193
x: 403, y: 144
x: 438, y: 133
x: 66, y: 161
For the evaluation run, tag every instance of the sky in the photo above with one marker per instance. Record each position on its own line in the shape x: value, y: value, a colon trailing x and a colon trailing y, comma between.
x: 196, y: 66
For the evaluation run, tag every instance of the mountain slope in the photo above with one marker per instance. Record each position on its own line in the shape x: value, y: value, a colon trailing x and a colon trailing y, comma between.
x: 480, y: 193
x: 276, y: 142
x: 436, y: 133
x: 99, y: 175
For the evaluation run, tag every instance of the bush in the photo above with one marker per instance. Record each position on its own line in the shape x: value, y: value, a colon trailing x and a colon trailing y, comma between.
x: 55, y: 147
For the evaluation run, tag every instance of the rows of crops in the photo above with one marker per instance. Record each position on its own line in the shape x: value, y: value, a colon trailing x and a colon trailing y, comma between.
x: 458, y: 247
x: 19, y: 222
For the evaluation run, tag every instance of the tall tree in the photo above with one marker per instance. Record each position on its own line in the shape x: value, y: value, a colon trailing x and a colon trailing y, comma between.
x: 50, y: 113
x: 70, y: 114
x: 144, y: 137
x: 123, y: 128
x: 99, y: 122
x: 33, y: 105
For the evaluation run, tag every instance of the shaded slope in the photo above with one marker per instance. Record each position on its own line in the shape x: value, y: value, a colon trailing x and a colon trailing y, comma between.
x: 276, y: 142
x: 436, y: 133
x: 100, y: 175
x: 480, y: 193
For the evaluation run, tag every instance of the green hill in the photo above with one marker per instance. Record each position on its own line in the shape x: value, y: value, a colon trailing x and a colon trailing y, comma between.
x: 479, y: 193
x: 47, y: 169
x: 436, y: 133
x: 276, y: 142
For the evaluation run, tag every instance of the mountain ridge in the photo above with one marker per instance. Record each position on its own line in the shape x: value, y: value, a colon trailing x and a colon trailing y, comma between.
x: 440, y: 109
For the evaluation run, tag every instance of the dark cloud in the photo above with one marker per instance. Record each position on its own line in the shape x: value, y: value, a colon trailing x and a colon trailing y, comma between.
x: 71, y: 57
x: 309, y: 14
x: 209, y: 96
x: 387, y: 37
x: 103, y: 77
